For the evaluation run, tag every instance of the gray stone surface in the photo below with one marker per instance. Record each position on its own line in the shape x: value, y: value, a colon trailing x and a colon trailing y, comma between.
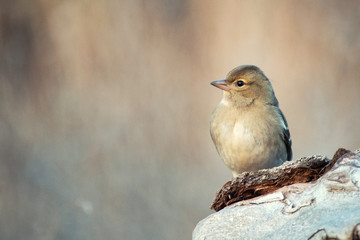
x: 326, y: 208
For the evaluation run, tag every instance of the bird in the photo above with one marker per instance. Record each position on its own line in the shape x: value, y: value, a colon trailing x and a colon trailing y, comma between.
x: 248, y: 128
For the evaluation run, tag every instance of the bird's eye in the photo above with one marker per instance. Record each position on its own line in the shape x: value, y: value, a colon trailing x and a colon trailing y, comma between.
x: 240, y: 83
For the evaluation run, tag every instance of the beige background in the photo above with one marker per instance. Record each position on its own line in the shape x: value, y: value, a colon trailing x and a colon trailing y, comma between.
x: 105, y: 105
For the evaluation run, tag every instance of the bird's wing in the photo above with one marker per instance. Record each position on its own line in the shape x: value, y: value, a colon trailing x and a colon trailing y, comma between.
x: 286, y: 136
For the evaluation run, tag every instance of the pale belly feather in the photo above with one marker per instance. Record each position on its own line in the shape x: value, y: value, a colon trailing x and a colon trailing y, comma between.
x: 245, y: 145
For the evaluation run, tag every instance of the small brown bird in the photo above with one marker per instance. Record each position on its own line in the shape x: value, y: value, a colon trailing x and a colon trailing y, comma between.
x: 248, y: 128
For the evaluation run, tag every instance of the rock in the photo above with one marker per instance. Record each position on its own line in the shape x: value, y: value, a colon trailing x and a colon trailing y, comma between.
x: 326, y: 208
x: 252, y: 184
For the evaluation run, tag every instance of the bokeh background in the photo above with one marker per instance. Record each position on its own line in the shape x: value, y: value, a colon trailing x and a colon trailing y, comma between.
x: 105, y: 105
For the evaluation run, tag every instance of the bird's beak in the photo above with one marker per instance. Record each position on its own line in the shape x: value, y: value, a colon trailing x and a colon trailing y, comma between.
x: 221, y: 84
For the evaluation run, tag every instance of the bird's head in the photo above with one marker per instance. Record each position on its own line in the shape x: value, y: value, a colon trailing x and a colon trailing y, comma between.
x: 246, y: 85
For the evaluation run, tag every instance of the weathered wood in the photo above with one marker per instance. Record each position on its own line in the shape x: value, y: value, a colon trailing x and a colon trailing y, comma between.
x: 252, y: 184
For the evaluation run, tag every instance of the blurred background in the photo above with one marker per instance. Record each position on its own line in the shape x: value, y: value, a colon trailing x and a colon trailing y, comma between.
x: 105, y: 105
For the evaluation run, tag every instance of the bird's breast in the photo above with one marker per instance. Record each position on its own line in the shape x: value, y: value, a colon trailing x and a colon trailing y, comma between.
x: 233, y: 128
x: 241, y: 132
x: 233, y: 134
x: 242, y: 138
